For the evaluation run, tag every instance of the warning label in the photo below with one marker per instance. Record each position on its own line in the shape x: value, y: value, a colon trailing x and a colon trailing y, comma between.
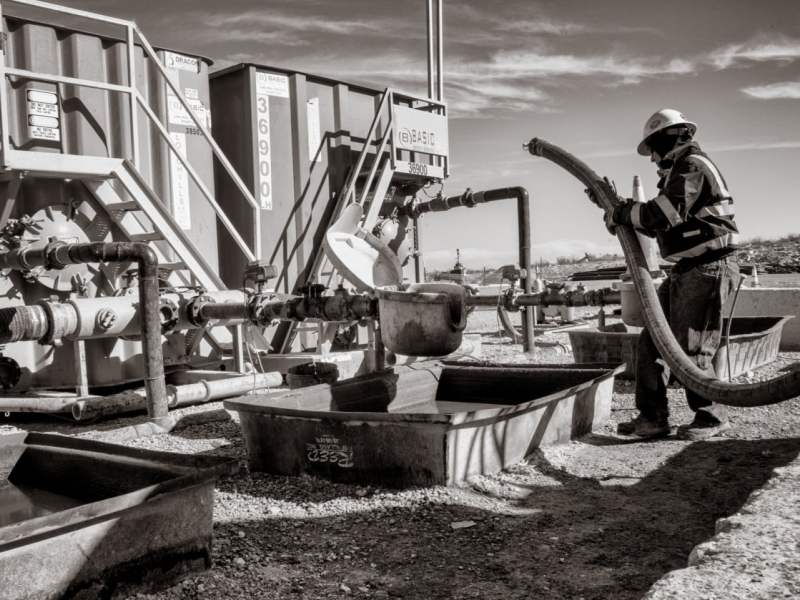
x: 272, y: 84
x: 181, y: 62
x: 43, y: 115
x: 178, y: 116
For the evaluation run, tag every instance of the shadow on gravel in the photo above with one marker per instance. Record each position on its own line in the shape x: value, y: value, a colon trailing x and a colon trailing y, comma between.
x: 570, y: 537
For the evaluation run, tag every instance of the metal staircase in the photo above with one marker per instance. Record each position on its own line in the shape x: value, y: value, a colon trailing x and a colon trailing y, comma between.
x: 116, y: 183
x: 368, y: 188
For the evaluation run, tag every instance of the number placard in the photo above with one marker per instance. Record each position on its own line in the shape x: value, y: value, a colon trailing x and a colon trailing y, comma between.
x: 264, y: 151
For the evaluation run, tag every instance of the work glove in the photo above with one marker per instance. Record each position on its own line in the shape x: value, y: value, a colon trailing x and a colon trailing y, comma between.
x: 611, y: 220
x: 619, y: 215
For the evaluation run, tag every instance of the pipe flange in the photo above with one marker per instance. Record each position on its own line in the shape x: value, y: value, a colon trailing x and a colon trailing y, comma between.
x: 63, y: 322
x: 194, y: 310
x: 170, y: 314
x: 10, y: 372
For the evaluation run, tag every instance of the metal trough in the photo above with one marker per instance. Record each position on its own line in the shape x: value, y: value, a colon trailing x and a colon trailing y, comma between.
x: 754, y: 342
x: 80, y: 518
x: 421, y: 427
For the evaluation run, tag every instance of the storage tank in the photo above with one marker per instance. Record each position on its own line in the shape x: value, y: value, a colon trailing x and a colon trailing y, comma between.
x: 70, y: 119
x: 292, y: 137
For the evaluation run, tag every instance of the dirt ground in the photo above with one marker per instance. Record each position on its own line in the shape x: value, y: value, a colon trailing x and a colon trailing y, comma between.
x: 599, y: 518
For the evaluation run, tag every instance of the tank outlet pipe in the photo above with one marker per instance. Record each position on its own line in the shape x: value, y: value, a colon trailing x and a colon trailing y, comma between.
x: 723, y: 392
x: 471, y: 199
x: 57, y: 255
x: 177, y: 395
x: 95, y: 318
x: 600, y: 297
x: 263, y: 309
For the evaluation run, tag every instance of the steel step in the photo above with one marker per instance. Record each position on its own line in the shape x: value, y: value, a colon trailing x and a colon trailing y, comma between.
x: 150, y: 236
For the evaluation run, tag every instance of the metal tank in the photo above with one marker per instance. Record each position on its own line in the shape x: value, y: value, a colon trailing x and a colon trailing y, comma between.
x: 292, y: 137
x: 70, y: 119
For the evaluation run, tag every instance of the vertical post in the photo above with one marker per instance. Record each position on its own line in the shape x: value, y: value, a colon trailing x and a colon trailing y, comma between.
x: 5, y: 134
x: 238, y: 348
x: 524, y: 219
x: 419, y: 270
x: 132, y: 95
x: 439, y: 51
x: 81, y: 374
x: 431, y: 86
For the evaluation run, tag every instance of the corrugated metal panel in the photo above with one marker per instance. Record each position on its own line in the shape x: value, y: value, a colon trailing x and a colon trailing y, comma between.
x: 291, y: 138
x: 97, y: 123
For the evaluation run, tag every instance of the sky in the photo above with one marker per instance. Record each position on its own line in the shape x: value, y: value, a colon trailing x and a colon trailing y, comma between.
x: 582, y: 74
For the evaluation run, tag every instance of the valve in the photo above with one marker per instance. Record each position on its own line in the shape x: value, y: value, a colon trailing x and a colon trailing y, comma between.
x: 258, y: 273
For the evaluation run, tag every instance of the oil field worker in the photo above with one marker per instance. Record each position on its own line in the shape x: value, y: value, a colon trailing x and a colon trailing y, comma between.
x: 692, y: 220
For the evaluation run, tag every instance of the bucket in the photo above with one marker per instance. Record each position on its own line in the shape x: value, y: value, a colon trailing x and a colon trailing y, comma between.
x: 631, y: 305
x: 311, y: 374
x: 428, y: 319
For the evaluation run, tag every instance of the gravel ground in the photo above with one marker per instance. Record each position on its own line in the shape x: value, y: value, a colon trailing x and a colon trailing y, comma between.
x: 598, y: 518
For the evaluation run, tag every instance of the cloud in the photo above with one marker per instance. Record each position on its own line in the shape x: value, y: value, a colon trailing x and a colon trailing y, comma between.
x: 751, y: 146
x: 629, y: 70
x: 772, y: 91
x: 780, y: 49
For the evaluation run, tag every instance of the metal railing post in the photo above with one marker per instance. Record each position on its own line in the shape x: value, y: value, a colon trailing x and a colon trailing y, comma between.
x: 134, y: 90
x: 5, y: 134
x: 243, y: 189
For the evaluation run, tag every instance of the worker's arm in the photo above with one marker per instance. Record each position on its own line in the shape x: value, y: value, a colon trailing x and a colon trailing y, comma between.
x: 670, y: 208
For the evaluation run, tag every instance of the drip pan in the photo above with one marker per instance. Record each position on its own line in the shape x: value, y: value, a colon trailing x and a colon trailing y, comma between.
x: 79, y: 518
x: 431, y: 426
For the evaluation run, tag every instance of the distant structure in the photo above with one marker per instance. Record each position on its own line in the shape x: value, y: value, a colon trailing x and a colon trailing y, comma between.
x: 457, y: 274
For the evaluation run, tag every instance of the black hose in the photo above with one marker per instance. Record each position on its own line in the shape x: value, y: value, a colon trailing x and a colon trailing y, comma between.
x: 58, y: 255
x: 685, y: 370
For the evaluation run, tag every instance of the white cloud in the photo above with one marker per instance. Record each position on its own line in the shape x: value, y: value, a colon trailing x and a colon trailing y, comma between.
x: 630, y: 70
x: 261, y: 20
x: 782, y: 49
x: 784, y: 89
x: 751, y: 146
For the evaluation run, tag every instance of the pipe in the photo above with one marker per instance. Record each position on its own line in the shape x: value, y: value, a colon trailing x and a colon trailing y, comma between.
x: 751, y: 394
x: 178, y: 396
x: 429, y: 15
x: 57, y: 255
x: 471, y: 199
x: 600, y: 297
x: 439, y: 51
x: 36, y: 404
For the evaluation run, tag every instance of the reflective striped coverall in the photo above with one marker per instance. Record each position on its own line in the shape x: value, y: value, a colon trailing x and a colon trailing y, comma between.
x: 692, y: 220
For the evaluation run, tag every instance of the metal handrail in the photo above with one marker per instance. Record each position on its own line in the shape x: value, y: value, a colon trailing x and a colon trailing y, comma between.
x: 133, y: 33
x: 351, y: 182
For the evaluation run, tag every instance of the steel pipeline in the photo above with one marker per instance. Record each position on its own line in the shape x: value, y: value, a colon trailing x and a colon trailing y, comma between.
x: 181, y: 395
x: 58, y: 255
x: 471, y: 199
x: 751, y: 394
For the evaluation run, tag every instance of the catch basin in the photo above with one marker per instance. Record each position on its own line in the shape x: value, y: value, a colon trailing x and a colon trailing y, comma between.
x: 754, y: 342
x: 423, y: 426
x: 79, y: 517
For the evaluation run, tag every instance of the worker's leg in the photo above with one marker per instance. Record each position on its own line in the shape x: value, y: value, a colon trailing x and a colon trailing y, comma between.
x: 696, y: 317
x: 651, y: 384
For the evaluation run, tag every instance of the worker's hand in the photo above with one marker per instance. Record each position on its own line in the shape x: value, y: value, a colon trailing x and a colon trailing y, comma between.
x: 611, y: 223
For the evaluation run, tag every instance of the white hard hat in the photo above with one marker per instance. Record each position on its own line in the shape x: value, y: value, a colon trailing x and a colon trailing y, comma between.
x: 663, y: 119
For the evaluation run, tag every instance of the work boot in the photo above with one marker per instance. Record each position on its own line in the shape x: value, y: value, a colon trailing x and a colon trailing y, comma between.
x: 644, y: 428
x: 702, y: 429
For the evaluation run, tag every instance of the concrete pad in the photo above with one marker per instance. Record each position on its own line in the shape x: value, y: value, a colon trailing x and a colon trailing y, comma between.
x: 754, y: 554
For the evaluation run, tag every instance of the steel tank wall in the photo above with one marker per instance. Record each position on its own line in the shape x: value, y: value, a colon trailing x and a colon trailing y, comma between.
x: 96, y: 123
x: 288, y: 134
